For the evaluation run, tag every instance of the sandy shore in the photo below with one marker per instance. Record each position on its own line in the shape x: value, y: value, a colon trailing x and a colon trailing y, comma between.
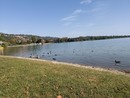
x: 75, y: 65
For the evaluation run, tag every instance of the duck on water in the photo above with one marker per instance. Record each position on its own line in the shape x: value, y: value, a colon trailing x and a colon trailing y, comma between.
x: 117, y: 62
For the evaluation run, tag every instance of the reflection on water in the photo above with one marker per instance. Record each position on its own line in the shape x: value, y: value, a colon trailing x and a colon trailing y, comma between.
x: 101, y: 53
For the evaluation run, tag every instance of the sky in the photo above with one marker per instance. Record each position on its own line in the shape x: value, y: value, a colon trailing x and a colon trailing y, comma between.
x: 65, y: 18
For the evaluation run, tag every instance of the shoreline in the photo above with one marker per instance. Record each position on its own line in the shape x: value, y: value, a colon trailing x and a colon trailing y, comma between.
x: 115, y: 71
x: 21, y: 45
x: 34, y: 44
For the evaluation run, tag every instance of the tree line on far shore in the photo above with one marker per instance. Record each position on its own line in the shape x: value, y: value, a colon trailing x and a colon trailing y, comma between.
x: 20, y: 39
x: 87, y: 38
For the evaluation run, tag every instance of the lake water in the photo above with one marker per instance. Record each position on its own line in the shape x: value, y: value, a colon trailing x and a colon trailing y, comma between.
x: 101, y: 53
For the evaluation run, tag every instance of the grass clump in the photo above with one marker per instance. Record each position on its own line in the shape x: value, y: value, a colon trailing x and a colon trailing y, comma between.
x: 20, y: 78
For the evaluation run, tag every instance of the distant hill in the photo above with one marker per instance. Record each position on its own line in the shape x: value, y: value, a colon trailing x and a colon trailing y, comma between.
x: 15, y: 39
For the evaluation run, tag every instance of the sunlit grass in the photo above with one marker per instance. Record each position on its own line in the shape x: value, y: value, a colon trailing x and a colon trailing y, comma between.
x: 1, y: 48
x: 21, y: 78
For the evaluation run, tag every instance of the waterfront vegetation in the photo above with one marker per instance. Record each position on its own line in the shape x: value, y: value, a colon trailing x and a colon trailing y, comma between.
x: 1, y: 48
x: 24, y: 78
x: 21, y: 39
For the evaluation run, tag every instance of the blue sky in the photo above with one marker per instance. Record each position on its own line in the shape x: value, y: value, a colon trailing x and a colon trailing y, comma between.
x: 65, y: 18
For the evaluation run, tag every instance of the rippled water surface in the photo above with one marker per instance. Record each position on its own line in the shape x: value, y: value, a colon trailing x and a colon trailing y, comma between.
x: 102, y: 53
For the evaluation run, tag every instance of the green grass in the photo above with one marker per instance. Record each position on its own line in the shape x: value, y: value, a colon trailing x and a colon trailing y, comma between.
x: 1, y: 48
x: 21, y: 78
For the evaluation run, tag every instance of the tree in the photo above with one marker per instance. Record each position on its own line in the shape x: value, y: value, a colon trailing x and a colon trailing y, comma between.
x: 33, y: 38
x: 40, y: 41
x: 5, y: 44
x: 12, y: 41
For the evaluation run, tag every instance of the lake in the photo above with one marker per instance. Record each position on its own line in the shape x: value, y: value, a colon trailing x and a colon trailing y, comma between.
x: 101, y: 53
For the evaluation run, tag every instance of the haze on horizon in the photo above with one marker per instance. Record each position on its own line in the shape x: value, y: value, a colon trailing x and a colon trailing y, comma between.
x: 65, y: 18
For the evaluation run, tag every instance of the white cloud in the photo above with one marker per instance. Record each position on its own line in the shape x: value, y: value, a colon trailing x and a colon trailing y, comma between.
x: 94, y: 10
x: 73, y: 16
x: 69, y: 18
x: 86, y: 2
x: 78, y: 11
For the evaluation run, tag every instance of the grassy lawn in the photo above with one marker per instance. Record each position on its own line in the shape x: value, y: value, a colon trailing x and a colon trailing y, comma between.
x: 21, y: 78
